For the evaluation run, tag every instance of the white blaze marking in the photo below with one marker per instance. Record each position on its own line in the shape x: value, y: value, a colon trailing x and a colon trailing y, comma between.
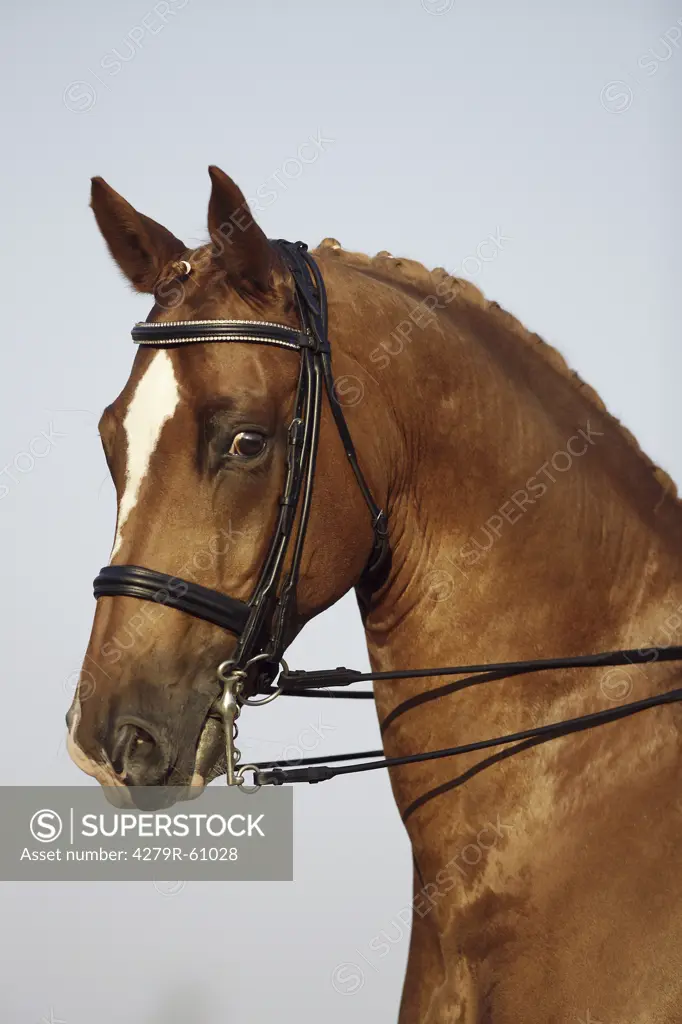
x: 155, y: 400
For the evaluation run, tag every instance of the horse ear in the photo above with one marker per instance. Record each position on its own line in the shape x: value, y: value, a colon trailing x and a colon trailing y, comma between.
x: 140, y: 246
x: 239, y: 245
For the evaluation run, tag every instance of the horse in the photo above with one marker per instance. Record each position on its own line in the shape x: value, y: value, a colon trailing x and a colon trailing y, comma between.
x: 523, y: 521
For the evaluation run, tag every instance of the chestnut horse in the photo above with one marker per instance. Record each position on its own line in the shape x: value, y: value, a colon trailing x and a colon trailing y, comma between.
x: 524, y: 522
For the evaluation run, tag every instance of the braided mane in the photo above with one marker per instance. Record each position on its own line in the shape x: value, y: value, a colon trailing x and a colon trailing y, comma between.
x: 414, y: 275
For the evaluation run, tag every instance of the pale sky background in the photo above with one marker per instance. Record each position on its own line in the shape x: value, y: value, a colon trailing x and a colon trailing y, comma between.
x: 556, y: 124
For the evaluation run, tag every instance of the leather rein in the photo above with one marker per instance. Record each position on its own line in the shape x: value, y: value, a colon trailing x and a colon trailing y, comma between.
x: 263, y: 624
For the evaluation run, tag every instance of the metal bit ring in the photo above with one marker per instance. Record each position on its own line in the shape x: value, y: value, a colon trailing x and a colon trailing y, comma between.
x: 258, y: 702
x: 249, y: 790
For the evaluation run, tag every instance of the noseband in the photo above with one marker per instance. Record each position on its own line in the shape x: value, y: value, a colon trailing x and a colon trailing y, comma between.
x: 263, y: 623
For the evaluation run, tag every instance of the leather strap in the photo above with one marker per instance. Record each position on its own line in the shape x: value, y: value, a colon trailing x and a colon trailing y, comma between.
x: 180, y: 332
x: 149, y: 585
x: 379, y: 561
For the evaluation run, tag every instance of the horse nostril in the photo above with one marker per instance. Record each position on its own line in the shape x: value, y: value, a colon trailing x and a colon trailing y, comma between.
x: 140, y: 753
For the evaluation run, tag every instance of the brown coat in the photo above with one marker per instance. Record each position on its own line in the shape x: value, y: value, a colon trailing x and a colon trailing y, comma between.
x: 525, y: 522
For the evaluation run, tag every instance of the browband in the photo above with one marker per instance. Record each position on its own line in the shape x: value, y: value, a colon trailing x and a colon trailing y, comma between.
x: 260, y: 332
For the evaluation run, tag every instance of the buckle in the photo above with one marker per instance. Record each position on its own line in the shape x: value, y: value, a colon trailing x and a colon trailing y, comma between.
x: 380, y: 525
x: 310, y: 339
x: 296, y: 432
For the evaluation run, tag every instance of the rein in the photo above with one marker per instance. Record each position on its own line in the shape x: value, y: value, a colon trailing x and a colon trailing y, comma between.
x: 263, y: 624
x: 302, y: 683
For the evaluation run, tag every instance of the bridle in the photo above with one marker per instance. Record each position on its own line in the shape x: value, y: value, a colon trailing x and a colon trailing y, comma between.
x: 263, y: 624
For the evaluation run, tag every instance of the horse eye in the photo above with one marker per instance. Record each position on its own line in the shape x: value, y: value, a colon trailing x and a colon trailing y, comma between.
x: 247, y: 444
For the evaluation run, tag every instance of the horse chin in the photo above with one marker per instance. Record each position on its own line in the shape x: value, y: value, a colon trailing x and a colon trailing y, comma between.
x: 152, y: 798
x: 210, y: 757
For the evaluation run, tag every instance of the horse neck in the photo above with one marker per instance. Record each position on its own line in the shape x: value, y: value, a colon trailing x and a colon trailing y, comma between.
x: 525, y: 522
